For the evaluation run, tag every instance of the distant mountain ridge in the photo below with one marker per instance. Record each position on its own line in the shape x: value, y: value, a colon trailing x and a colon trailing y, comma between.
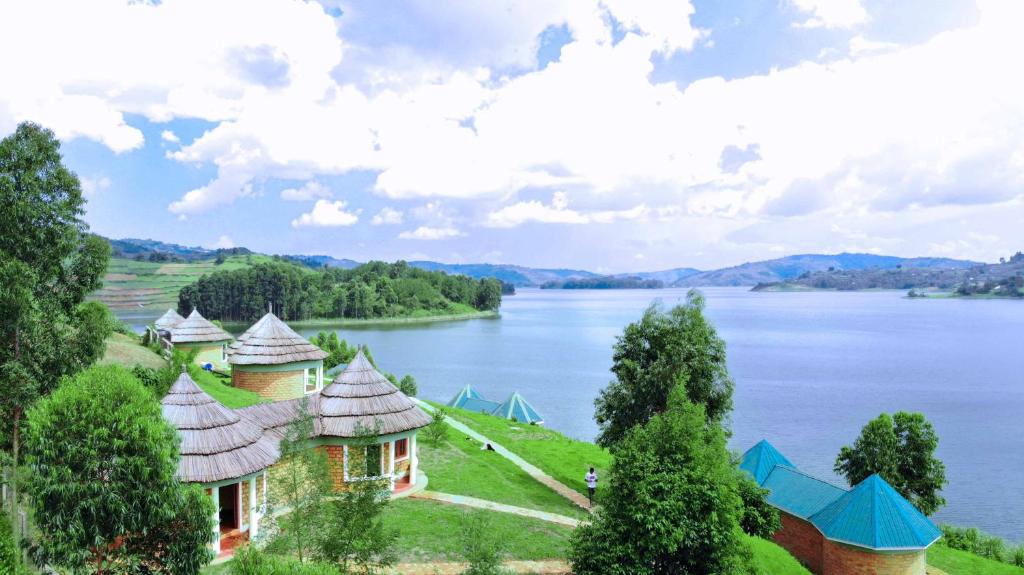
x: 519, y: 276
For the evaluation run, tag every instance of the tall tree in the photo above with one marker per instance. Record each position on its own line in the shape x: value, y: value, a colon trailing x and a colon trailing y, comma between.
x: 663, y: 350
x: 102, y: 479
x: 672, y: 501
x: 47, y: 265
x: 901, y: 449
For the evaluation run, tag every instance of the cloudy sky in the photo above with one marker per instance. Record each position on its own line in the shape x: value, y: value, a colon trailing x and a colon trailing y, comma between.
x: 613, y: 135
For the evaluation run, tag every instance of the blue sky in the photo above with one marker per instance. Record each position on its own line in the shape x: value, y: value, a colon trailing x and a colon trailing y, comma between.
x: 611, y: 135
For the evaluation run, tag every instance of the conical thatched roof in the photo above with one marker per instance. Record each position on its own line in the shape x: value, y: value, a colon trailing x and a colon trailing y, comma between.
x: 167, y: 321
x: 216, y: 443
x: 361, y: 395
x: 271, y: 342
x: 197, y: 329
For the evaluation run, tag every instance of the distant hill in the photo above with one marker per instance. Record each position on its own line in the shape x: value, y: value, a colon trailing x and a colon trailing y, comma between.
x: 668, y: 277
x: 132, y: 248
x: 317, y: 262
x: 792, y: 267
x: 518, y: 276
x: 605, y: 282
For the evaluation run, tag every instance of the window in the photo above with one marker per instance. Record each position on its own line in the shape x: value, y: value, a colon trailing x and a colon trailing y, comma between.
x: 401, y: 449
x: 373, y: 461
x: 309, y: 380
x: 224, y: 352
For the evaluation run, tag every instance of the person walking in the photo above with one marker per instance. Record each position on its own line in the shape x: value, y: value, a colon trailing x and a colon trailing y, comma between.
x: 591, y: 479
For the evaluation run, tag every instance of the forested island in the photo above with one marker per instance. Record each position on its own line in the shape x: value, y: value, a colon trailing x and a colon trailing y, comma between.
x: 605, y: 282
x: 370, y: 291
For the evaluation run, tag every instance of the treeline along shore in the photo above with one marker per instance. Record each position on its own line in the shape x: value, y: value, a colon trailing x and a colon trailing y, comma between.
x: 371, y: 291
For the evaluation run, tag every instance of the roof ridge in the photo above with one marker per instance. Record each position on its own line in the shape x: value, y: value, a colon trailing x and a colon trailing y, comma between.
x: 808, y: 475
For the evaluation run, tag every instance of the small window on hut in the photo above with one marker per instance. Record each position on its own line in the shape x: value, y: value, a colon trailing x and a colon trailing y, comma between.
x: 401, y: 449
x: 310, y: 380
x: 373, y: 461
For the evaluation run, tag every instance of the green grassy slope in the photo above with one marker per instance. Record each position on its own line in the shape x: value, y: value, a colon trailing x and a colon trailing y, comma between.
x: 127, y: 351
x: 956, y: 562
x: 770, y: 559
x: 219, y: 388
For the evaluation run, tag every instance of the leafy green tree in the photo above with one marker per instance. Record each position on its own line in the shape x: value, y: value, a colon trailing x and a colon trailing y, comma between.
x: 480, y: 548
x: 9, y: 560
x: 760, y: 519
x: 901, y: 449
x: 672, y: 503
x: 408, y: 386
x: 436, y: 432
x: 47, y: 265
x: 299, y: 482
x: 102, y: 479
x: 663, y: 350
x: 353, y: 535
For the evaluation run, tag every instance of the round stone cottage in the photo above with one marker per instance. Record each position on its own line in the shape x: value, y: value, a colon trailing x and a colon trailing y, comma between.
x: 273, y: 361
x: 362, y: 404
x: 226, y: 454
x: 197, y: 332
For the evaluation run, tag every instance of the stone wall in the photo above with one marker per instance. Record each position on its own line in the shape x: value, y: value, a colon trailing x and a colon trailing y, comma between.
x: 273, y: 385
x: 802, y: 540
x: 849, y: 560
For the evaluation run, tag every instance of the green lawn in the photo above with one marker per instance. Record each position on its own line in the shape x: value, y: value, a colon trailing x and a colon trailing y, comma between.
x: 219, y: 388
x: 770, y: 559
x: 460, y: 467
x: 128, y: 351
x: 567, y: 460
x: 956, y: 562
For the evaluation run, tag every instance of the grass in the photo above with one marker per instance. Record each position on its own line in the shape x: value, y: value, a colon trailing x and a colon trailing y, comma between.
x: 219, y: 388
x: 956, y: 562
x: 564, y: 459
x: 460, y: 467
x: 128, y: 351
x: 770, y: 559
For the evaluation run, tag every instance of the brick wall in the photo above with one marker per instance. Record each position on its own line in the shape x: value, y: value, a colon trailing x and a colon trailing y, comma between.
x: 842, y: 559
x: 336, y: 465
x: 802, y: 540
x: 273, y: 385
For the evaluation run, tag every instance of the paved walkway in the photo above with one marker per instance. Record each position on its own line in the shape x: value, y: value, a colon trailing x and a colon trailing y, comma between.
x: 538, y: 567
x: 494, y: 506
x: 552, y: 483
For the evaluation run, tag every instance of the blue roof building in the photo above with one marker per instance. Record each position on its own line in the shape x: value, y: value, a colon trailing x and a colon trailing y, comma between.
x: 832, y: 530
x: 515, y: 407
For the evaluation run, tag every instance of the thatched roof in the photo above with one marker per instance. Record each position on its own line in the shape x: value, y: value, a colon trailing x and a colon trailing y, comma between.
x: 167, y: 321
x: 361, y: 395
x: 216, y: 442
x: 271, y: 342
x: 276, y: 416
x: 197, y: 329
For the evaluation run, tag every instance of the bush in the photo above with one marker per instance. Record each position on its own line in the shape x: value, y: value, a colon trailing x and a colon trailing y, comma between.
x: 436, y: 431
x: 8, y: 549
x: 759, y: 518
x: 408, y: 386
x: 972, y: 540
x: 480, y: 548
x: 251, y: 561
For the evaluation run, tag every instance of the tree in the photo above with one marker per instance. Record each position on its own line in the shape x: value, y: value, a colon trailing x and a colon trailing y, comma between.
x: 353, y: 533
x: 408, y: 386
x: 480, y: 548
x: 663, y: 350
x: 436, y: 431
x: 47, y: 265
x: 901, y: 449
x: 300, y: 481
x: 672, y: 504
x: 102, y: 481
x: 760, y: 519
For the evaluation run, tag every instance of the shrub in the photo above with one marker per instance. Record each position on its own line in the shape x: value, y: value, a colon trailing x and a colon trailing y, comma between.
x: 408, y: 386
x: 251, y: 561
x: 480, y: 548
x: 8, y: 549
x: 972, y: 540
x: 436, y: 431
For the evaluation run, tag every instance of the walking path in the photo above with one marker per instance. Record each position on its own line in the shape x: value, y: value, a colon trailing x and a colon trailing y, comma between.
x: 552, y: 483
x: 441, y: 568
x: 494, y: 506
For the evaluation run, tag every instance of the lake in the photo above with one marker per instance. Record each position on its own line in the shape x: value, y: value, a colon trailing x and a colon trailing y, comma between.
x: 810, y: 369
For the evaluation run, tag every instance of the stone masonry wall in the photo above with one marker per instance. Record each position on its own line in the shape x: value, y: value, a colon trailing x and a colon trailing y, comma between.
x: 273, y: 385
x: 842, y: 559
x: 802, y: 540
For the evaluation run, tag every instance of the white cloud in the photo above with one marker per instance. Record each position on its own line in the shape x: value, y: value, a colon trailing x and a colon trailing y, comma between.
x: 387, y: 216
x: 91, y: 186
x: 309, y: 191
x: 859, y: 46
x: 223, y: 242
x: 169, y: 136
x: 327, y: 214
x: 429, y: 233
x: 558, y: 212
x: 831, y: 13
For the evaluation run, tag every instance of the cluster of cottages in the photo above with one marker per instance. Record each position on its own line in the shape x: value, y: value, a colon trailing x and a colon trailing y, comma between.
x: 869, y: 529
x: 232, y: 452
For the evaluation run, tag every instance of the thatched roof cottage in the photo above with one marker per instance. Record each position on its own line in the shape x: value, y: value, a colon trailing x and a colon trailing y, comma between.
x: 165, y: 323
x: 197, y: 332
x: 275, y: 362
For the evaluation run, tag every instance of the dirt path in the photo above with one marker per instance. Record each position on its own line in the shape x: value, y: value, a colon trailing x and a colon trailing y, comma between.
x: 467, y: 501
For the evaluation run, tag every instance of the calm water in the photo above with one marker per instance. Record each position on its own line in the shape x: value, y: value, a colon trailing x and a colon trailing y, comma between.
x: 810, y: 369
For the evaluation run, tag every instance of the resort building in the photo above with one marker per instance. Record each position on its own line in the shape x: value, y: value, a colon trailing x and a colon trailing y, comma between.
x: 165, y: 323
x: 868, y: 530
x: 225, y: 453
x: 196, y: 332
x: 515, y: 407
x: 273, y: 361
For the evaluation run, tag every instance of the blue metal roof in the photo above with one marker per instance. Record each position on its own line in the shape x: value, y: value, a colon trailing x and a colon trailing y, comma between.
x: 876, y: 516
x: 760, y: 459
x: 479, y: 405
x: 799, y: 494
x: 517, y: 408
x: 464, y: 394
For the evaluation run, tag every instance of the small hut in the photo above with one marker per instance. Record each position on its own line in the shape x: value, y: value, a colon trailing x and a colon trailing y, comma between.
x: 197, y: 332
x: 225, y: 453
x: 165, y: 323
x: 518, y: 409
x: 275, y: 362
x: 361, y: 398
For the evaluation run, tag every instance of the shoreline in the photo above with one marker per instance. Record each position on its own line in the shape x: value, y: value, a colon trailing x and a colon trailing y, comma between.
x: 350, y: 322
